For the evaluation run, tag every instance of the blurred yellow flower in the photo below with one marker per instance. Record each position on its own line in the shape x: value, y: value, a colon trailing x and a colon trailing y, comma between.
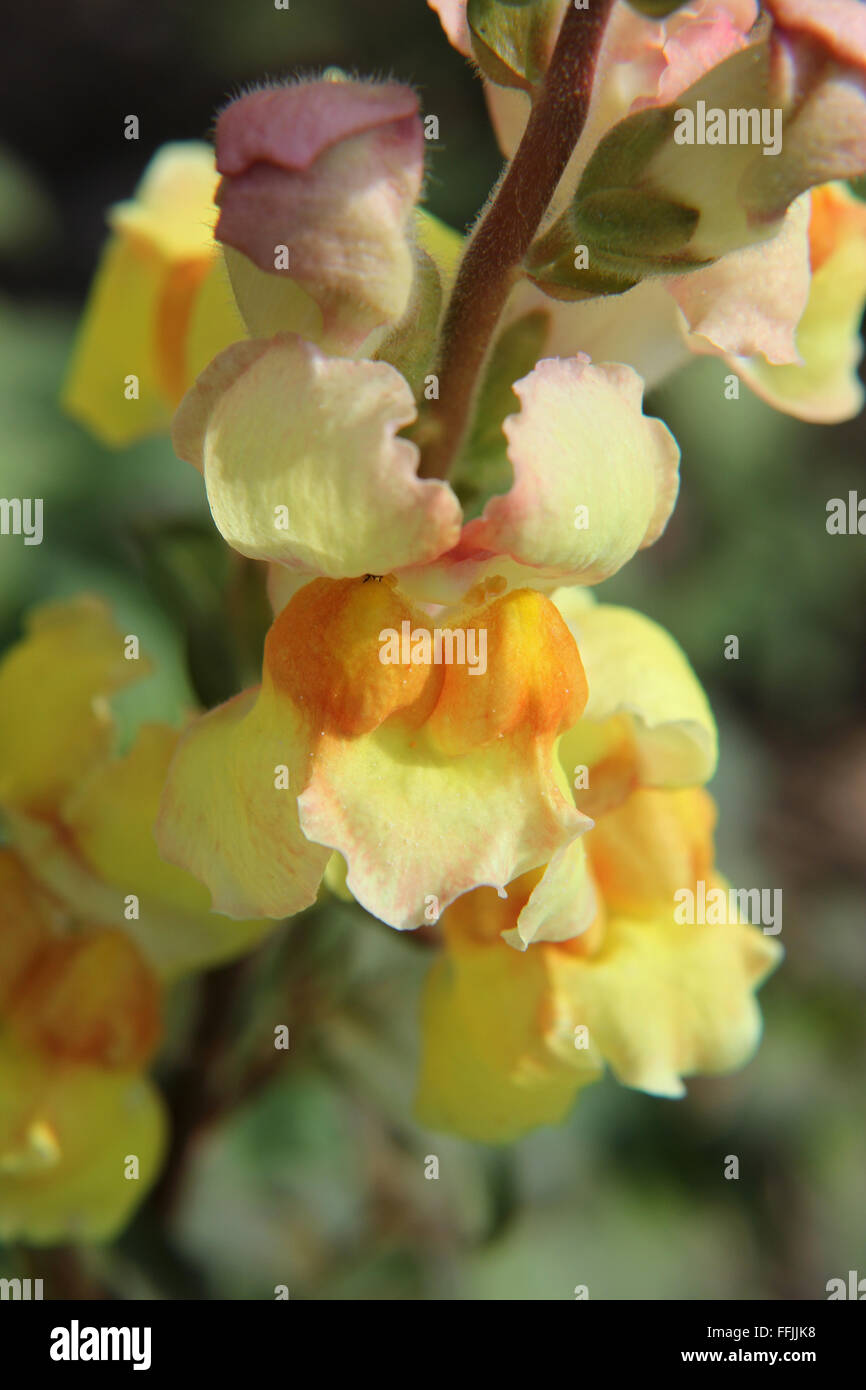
x: 510, y: 1037
x: 92, y: 925
x: 80, y: 815
x: 161, y: 305
x: 82, y: 1130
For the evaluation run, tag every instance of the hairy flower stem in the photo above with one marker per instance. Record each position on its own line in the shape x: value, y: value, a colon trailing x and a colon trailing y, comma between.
x: 503, y: 237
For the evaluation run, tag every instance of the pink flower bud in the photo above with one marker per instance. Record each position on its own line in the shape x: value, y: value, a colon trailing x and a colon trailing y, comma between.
x: 319, y: 182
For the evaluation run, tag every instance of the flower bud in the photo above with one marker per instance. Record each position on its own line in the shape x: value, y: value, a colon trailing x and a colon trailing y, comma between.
x: 319, y: 180
x: 676, y: 187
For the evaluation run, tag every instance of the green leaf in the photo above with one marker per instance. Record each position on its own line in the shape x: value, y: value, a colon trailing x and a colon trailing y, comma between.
x: 560, y: 279
x: 649, y: 203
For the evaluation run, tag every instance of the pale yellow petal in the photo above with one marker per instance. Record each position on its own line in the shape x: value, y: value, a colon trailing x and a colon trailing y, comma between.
x: 595, y: 479
x: 642, y: 693
x: 68, y: 1134
x: 54, y: 717
x: 303, y: 463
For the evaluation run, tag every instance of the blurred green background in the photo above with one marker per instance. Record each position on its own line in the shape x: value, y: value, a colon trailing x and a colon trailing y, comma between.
x: 317, y: 1182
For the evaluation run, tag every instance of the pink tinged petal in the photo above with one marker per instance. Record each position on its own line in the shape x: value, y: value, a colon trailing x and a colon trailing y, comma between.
x: 415, y: 824
x: 743, y: 13
x: 825, y: 388
x: 291, y: 126
x: 819, y: 78
x: 580, y: 441
x: 303, y: 465
x: 452, y: 17
x: 827, y: 138
x: 329, y: 171
x: 751, y: 301
x: 838, y: 25
x: 698, y: 45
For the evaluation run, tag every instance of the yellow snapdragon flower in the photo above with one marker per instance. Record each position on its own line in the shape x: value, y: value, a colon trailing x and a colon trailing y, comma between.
x: 510, y: 1038
x: 160, y: 306
x: 93, y: 925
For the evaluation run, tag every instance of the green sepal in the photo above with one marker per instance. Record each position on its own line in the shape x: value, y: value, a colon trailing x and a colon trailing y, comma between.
x: 483, y: 468
x: 411, y: 344
x: 627, y: 235
x: 657, y: 9
x: 512, y: 40
x: 558, y: 275
x: 636, y: 225
x: 632, y: 214
x: 622, y: 157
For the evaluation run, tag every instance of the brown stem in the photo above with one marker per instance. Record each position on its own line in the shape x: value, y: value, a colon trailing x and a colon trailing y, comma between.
x: 201, y: 1091
x: 506, y: 232
x: 192, y: 1099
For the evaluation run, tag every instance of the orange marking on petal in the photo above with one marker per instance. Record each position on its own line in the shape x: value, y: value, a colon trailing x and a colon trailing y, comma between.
x: 480, y: 918
x: 834, y: 218
x: 612, y: 780
x: 589, y: 943
x: 171, y: 327
x: 90, y: 998
x: 324, y: 652
x: 482, y: 915
x: 534, y: 682
x: 656, y: 842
